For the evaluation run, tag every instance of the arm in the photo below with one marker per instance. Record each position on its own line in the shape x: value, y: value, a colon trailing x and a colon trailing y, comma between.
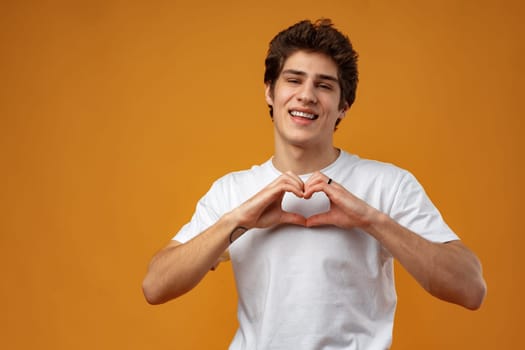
x: 179, y: 267
x: 449, y: 271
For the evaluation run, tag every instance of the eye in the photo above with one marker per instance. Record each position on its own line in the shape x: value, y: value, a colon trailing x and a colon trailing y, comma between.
x: 325, y: 86
x: 293, y: 80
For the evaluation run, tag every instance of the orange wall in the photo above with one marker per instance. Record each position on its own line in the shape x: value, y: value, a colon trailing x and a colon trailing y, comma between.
x: 116, y: 117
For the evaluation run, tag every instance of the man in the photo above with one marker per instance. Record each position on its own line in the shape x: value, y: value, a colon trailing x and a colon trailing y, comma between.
x: 312, y: 232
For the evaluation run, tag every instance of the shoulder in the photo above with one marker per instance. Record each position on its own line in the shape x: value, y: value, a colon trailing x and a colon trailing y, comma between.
x: 371, y: 170
x: 242, y: 184
x: 383, y: 185
x: 240, y: 177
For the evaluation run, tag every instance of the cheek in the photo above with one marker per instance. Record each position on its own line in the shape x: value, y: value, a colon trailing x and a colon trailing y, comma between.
x: 279, y: 104
x: 282, y: 94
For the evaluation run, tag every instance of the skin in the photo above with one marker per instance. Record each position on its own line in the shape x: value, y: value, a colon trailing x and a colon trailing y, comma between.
x: 308, y: 84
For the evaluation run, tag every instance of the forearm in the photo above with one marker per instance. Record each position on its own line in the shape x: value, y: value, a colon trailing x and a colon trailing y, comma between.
x: 177, y: 269
x: 448, y: 271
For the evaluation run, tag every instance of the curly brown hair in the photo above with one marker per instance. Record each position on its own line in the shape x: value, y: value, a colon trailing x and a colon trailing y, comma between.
x: 319, y: 36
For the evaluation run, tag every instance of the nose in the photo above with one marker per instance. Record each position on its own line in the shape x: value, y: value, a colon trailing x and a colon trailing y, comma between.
x: 307, y: 94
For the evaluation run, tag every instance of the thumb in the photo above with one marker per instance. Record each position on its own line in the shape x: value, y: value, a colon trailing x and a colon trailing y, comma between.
x: 292, y: 218
x: 319, y: 220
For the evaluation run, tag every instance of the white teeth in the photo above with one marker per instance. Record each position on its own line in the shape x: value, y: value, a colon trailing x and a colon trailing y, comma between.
x: 303, y: 115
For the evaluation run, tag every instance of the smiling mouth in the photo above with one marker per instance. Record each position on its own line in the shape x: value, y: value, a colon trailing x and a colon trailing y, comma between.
x: 304, y: 115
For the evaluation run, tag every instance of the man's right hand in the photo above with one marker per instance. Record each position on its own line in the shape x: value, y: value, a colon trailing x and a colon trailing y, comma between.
x: 264, y: 209
x: 179, y: 267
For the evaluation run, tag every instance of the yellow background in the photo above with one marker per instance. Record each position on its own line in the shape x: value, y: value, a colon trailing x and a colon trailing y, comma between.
x: 116, y: 116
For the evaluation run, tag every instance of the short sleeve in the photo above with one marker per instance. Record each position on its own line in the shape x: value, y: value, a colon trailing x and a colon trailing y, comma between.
x: 205, y: 215
x: 413, y: 209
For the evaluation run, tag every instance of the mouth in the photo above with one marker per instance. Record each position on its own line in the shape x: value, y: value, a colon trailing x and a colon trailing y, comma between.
x: 304, y: 115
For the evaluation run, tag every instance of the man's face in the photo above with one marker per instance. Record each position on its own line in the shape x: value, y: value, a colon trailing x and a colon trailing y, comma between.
x: 305, y: 100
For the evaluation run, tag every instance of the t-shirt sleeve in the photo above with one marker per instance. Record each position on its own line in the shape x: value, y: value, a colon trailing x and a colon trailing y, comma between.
x: 413, y: 209
x: 205, y: 215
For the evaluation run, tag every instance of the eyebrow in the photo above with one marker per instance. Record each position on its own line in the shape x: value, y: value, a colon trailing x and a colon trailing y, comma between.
x: 319, y: 76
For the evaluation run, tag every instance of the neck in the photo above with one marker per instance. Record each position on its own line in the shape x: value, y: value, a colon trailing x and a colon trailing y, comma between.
x: 301, y: 161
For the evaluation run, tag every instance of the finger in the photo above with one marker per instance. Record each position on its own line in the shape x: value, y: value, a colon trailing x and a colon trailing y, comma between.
x: 287, y: 178
x: 290, y: 182
x: 294, y: 179
x: 320, y: 220
x: 276, y: 190
x: 292, y: 218
x: 288, y: 187
x: 316, y: 183
x: 316, y: 177
x: 320, y: 186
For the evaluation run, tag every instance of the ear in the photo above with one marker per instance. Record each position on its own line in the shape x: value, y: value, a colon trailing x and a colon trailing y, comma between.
x: 268, y: 94
x: 342, y: 112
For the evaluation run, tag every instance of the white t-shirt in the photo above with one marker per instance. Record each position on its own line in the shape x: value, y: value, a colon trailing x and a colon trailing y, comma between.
x: 325, y: 287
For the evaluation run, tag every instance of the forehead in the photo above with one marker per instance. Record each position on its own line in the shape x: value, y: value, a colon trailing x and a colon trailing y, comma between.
x: 311, y: 63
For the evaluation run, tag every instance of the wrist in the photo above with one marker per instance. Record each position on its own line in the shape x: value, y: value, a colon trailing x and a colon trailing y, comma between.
x: 375, y: 222
x: 237, y: 218
x: 237, y: 227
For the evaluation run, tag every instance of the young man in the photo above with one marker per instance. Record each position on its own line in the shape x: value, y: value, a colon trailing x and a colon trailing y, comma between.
x: 312, y: 232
